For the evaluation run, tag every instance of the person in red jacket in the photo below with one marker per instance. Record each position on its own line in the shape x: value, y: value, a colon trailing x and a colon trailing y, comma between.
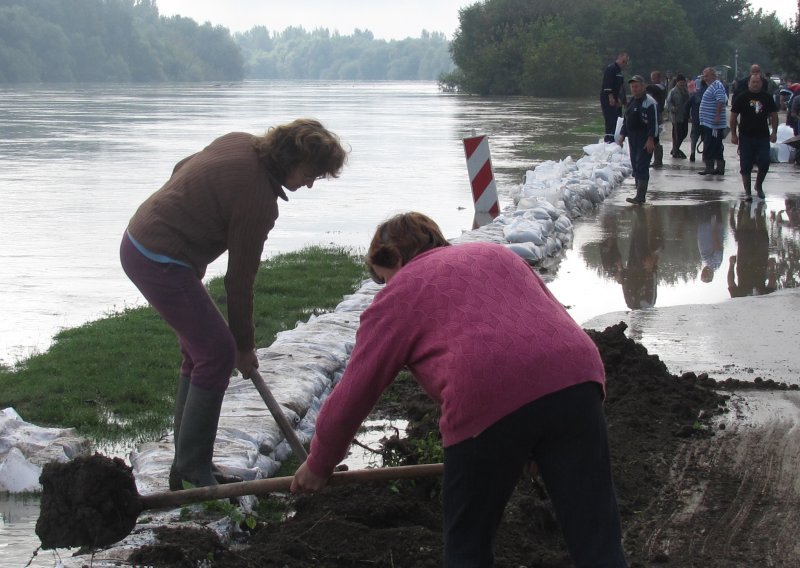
x: 516, y: 378
x: 223, y: 198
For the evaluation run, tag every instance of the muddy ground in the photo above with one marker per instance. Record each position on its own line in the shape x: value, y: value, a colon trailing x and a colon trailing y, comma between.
x: 694, y: 489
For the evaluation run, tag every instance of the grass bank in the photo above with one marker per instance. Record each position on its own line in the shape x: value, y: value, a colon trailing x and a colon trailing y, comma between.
x: 114, y: 378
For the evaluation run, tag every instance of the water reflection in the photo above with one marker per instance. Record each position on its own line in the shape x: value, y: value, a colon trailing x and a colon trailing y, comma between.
x: 784, y: 230
x: 751, y: 272
x: 703, y: 248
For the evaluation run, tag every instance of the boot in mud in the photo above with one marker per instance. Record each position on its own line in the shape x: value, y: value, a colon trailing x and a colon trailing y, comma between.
x: 641, y: 191
x: 658, y: 156
x: 195, y: 444
x: 709, y: 169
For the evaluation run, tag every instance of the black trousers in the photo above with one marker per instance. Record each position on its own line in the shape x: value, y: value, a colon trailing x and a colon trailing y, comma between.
x: 610, y: 116
x: 565, y: 434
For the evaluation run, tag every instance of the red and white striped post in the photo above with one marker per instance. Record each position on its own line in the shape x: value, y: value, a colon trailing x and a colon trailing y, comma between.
x: 481, y: 178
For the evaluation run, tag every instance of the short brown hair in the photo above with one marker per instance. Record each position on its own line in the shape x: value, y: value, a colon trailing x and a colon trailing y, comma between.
x: 303, y: 142
x: 401, y: 238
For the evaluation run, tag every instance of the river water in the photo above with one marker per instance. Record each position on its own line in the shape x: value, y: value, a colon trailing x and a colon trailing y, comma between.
x: 77, y: 161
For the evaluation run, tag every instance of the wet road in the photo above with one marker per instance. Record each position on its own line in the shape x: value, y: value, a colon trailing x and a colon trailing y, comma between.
x: 696, y: 241
x: 705, y: 280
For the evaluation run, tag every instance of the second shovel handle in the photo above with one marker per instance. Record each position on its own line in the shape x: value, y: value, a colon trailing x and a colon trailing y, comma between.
x: 277, y: 413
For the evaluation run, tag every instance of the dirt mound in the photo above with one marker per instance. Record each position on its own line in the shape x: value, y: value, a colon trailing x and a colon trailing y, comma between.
x: 651, y: 415
x: 89, y: 501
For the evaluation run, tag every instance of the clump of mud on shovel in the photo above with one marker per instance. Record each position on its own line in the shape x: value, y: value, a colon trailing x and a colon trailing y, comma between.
x: 89, y: 501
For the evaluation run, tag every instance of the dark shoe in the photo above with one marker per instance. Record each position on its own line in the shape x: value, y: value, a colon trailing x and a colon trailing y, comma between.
x: 709, y: 169
x: 634, y: 200
x: 719, y: 170
x: 691, y: 157
x: 760, y: 193
x: 680, y: 154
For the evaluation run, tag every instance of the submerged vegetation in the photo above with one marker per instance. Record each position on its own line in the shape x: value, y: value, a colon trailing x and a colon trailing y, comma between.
x: 114, y: 378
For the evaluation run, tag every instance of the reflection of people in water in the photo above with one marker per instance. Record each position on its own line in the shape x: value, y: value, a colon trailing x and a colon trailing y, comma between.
x: 792, y: 212
x: 751, y: 264
x: 610, y: 257
x: 639, y: 277
x: 710, y: 238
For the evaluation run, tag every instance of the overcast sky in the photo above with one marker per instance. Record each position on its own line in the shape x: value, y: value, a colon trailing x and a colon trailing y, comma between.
x: 395, y: 19
x: 387, y: 19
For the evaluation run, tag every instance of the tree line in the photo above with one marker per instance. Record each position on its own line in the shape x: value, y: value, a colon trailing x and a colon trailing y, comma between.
x: 545, y: 48
x: 320, y: 54
x: 49, y: 41
x: 502, y: 47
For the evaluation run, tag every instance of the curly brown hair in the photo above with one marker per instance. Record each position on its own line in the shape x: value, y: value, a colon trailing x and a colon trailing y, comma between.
x: 303, y: 142
x: 401, y: 238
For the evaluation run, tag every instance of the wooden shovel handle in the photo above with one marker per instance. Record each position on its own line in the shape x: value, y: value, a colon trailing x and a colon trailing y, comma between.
x: 265, y: 486
x: 277, y: 413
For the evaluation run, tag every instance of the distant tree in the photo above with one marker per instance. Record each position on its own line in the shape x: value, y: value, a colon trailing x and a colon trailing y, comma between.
x: 295, y: 53
x: 556, y: 63
x: 109, y: 40
x: 550, y: 48
x: 784, y: 48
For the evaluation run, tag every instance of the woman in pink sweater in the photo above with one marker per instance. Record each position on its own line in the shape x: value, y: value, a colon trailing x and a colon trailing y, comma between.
x: 516, y: 378
x: 222, y: 198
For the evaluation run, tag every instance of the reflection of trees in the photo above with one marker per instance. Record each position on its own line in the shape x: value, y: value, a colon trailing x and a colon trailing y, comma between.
x: 784, y: 230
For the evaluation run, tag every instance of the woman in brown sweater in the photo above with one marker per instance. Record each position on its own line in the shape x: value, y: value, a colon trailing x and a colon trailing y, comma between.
x: 223, y: 198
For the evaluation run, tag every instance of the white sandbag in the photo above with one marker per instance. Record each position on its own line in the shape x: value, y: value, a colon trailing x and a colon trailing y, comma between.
x: 18, y: 475
x: 784, y: 133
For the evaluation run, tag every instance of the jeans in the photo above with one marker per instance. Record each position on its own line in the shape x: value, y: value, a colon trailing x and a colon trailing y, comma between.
x: 712, y: 144
x: 753, y: 151
x: 640, y: 158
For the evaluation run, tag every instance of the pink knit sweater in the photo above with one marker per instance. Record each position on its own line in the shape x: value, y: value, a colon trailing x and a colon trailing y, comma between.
x: 480, y: 332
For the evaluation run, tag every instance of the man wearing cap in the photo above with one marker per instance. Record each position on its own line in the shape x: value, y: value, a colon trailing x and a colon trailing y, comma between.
x: 677, y: 100
x: 752, y: 114
x: 612, y: 95
x: 641, y: 127
x: 714, y: 119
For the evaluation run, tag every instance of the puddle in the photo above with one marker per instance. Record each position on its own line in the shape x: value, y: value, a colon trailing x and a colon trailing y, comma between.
x: 18, y: 541
x: 696, y: 247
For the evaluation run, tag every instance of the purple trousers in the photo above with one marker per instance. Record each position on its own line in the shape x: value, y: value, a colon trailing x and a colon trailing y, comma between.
x: 181, y: 299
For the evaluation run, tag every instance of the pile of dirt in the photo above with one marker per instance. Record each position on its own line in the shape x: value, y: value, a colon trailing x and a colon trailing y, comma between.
x: 651, y: 416
x: 88, y: 501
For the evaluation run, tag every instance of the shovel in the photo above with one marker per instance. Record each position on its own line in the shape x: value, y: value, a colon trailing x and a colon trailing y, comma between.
x: 278, y: 415
x: 93, y: 501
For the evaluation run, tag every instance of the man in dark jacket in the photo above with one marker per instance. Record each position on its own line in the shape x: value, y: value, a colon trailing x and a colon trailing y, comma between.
x: 612, y: 95
x: 658, y: 91
x: 641, y: 127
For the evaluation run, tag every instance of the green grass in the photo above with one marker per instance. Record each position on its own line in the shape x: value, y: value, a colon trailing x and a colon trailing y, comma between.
x: 114, y: 379
x: 591, y: 127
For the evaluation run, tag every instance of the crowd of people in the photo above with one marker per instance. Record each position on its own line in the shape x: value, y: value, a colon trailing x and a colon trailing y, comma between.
x: 747, y: 109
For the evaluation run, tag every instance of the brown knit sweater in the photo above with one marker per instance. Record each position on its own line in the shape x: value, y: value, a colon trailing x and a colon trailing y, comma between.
x: 221, y: 198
